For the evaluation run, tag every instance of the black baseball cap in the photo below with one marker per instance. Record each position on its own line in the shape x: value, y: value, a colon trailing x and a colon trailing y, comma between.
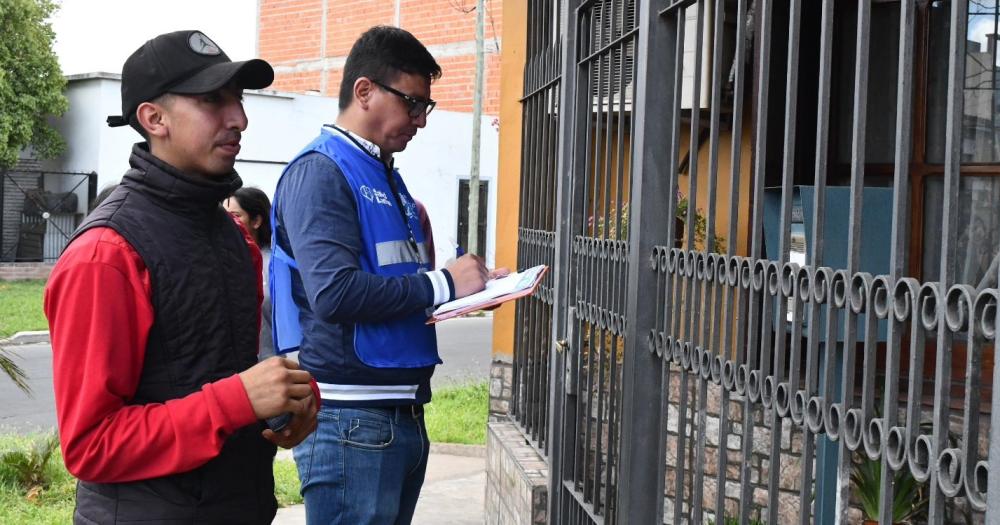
x: 184, y: 62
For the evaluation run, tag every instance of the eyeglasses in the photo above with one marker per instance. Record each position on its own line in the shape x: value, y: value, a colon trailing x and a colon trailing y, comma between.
x: 416, y: 106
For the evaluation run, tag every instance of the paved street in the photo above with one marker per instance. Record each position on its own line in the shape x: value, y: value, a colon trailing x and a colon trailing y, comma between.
x: 23, y: 414
x: 464, y: 345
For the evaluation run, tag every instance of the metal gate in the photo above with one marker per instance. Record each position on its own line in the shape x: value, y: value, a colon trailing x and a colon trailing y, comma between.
x: 773, y: 226
x: 530, y: 405
x: 39, y: 211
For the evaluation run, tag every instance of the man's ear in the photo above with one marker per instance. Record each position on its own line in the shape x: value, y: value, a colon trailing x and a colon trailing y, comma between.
x: 363, y: 88
x: 153, y: 118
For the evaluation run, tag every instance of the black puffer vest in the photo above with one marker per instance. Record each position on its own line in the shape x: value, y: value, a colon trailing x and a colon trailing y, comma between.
x: 205, y: 329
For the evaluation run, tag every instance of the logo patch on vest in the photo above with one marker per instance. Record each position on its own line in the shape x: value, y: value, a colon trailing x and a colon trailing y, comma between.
x: 375, y: 195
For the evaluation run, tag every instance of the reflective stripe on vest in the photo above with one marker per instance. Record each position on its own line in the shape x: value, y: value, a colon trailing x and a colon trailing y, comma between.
x: 387, y: 250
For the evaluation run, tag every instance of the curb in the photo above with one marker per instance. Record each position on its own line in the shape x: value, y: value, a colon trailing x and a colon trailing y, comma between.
x: 450, y: 449
x: 26, y: 338
x: 455, y: 449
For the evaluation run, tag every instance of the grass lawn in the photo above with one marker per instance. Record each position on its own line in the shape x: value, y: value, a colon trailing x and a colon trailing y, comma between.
x: 458, y: 414
x: 53, y: 504
x: 286, y: 483
x: 21, y: 308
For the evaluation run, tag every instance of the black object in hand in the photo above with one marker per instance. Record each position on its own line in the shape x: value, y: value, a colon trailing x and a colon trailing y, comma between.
x: 279, y: 422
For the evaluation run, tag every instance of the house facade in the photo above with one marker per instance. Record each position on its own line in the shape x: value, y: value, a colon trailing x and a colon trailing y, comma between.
x: 44, y: 201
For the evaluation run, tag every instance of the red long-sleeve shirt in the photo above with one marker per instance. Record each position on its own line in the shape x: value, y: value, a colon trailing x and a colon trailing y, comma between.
x: 98, y: 302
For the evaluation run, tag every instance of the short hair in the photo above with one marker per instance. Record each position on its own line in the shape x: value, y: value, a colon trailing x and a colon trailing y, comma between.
x: 256, y: 204
x: 382, y: 53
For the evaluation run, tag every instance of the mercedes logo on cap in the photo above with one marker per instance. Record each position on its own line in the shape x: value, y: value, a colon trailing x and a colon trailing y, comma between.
x: 203, y: 45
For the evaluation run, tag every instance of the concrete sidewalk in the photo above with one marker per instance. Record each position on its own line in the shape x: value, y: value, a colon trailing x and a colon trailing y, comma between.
x: 454, y: 491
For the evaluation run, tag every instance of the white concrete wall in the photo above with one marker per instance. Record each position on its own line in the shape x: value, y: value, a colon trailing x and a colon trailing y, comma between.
x: 432, y: 165
x: 280, y: 125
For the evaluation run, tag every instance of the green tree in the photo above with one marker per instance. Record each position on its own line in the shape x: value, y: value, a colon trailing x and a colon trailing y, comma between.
x: 31, y: 83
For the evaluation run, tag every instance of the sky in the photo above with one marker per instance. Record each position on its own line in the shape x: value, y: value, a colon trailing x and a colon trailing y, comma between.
x: 98, y: 35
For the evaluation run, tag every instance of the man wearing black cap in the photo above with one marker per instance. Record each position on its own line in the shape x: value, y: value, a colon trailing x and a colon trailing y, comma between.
x: 153, y: 317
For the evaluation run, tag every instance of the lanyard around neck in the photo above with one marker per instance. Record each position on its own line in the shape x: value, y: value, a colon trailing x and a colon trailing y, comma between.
x: 391, y: 179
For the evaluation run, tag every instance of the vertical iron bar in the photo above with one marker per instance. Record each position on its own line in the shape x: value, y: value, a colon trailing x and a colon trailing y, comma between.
x: 596, y: 281
x: 692, y: 303
x: 532, y: 205
x: 606, y: 273
x: 641, y: 381
x: 671, y: 317
x: 562, y: 439
x: 712, y: 314
x: 854, y: 238
x: 954, y: 113
x: 518, y: 358
x: 546, y: 221
x: 582, y: 132
x: 540, y: 205
x: 534, y: 328
x: 900, y: 235
x: 734, y: 295
x: 617, y: 306
x: 760, y: 153
x: 784, y: 229
x: 821, y: 507
x: 602, y: 353
x: 993, y: 485
x: 586, y: 408
x: 756, y: 228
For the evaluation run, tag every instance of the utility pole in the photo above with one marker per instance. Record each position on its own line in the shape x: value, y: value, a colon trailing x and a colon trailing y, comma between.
x: 477, y: 117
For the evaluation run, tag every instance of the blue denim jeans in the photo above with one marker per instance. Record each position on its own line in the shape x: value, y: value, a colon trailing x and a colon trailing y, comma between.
x: 363, y: 465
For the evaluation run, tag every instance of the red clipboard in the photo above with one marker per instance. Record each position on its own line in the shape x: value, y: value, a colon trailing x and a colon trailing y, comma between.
x: 496, y: 301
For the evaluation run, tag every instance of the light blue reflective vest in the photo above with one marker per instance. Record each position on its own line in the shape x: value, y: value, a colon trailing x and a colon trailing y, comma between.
x: 390, y: 249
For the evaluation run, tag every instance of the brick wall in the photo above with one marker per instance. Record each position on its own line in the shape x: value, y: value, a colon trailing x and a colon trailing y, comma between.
x: 501, y: 376
x: 298, y: 82
x: 290, y: 30
x: 350, y: 18
x: 291, y: 36
x: 453, y: 90
x: 437, y: 22
x: 789, y: 470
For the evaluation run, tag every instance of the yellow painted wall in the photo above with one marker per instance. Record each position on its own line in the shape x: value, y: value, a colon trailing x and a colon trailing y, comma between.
x: 512, y: 60
x: 723, y: 190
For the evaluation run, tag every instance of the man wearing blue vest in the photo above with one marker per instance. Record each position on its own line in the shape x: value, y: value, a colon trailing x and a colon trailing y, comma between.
x: 352, y: 286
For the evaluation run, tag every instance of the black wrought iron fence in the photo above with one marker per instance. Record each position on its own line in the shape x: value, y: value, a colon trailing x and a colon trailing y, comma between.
x: 591, y: 256
x: 536, y: 234
x: 775, y: 249
x: 817, y: 363
x: 39, y: 210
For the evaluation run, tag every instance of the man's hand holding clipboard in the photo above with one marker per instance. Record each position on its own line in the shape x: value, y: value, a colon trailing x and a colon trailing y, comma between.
x: 501, y: 288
